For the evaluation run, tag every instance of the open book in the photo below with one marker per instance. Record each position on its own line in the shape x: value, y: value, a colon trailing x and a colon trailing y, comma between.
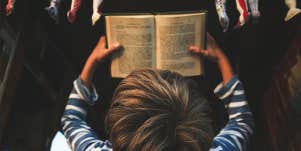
x: 157, y: 41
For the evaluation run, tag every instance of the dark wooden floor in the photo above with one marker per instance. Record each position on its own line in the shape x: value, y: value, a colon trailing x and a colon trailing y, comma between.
x: 54, y: 55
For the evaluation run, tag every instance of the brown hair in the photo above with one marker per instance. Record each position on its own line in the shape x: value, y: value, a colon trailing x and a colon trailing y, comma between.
x: 158, y: 111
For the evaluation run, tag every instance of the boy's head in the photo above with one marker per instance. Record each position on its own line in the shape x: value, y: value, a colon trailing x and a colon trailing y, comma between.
x: 158, y: 111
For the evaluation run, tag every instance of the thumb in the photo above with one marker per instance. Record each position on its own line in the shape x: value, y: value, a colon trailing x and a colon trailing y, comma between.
x: 114, y: 47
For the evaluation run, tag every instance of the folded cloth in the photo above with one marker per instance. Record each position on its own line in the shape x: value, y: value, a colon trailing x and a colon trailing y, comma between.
x: 97, y: 5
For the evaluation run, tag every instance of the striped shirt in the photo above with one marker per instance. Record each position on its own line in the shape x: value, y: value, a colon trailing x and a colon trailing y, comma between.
x: 233, y: 137
x: 236, y: 134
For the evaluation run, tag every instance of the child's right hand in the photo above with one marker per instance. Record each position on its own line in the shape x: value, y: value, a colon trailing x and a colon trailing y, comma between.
x: 213, y: 51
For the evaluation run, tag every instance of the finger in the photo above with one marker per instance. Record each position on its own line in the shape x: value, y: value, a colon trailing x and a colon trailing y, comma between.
x: 114, y: 47
x: 204, y: 53
x: 197, y: 50
x: 102, y: 41
x: 194, y: 49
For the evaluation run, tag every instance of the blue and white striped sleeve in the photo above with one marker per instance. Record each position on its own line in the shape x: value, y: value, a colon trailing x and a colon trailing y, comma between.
x: 236, y: 134
x: 79, y: 135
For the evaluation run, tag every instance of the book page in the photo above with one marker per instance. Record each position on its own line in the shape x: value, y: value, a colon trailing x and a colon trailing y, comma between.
x: 137, y: 36
x: 174, y: 34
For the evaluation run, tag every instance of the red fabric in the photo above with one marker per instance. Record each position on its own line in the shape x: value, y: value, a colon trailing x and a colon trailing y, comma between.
x: 243, y: 5
x: 75, y: 5
x: 9, y: 6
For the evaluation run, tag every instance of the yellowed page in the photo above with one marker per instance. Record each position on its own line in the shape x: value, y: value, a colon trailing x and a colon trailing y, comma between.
x: 174, y: 34
x: 137, y: 35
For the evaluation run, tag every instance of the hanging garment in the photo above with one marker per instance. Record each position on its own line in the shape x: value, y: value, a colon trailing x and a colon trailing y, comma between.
x: 242, y: 7
x: 97, y: 5
x: 10, y: 7
x: 255, y: 13
x: 246, y: 8
x: 222, y: 15
x: 53, y: 10
x: 75, y: 5
x: 292, y: 9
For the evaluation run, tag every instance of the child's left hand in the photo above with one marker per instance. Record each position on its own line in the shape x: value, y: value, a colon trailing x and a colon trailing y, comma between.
x: 100, y: 51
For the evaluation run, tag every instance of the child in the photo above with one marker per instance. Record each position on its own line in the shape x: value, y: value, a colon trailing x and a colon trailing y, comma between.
x: 158, y: 110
